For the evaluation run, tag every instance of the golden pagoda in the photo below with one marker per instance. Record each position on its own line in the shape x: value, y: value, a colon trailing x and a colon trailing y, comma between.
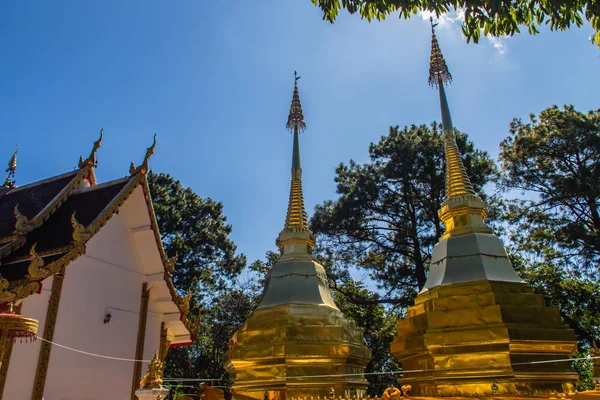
x: 476, y: 329
x: 297, y: 342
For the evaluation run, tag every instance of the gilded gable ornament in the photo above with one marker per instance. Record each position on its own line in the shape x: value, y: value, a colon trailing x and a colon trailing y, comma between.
x: 143, y: 168
x: 171, y: 263
x: 5, y: 295
x: 185, y: 303
x: 22, y: 225
x: 80, y: 234
x: 91, y: 160
x: 36, y: 268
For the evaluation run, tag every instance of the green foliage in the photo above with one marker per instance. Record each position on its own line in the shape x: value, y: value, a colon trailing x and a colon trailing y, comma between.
x: 379, y: 329
x: 575, y: 297
x: 386, y: 217
x: 585, y: 369
x: 495, y: 18
x: 194, y: 229
x: 218, y: 322
x: 555, y: 161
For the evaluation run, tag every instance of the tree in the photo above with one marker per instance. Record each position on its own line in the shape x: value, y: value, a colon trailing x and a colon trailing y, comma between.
x: 386, y: 217
x: 379, y: 329
x: 218, y: 321
x: 555, y: 162
x: 496, y: 18
x: 195, y: 230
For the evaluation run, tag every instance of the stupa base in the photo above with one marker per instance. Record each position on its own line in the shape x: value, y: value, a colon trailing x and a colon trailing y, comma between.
x: 297, y: 351
x: 478, y: 338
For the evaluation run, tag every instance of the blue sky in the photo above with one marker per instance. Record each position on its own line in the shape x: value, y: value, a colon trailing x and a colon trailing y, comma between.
x: 215, y: 80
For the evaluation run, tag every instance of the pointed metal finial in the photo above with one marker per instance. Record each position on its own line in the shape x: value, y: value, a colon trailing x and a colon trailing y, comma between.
x: 91, y: 160
x: 433, y: 25
x: 12, y: 169
x: 143, y: 168
x: 296, y: 78
x: 12, y: 164
x: 438, y: 70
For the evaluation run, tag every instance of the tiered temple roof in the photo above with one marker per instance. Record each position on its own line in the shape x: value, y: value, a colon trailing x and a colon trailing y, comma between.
x: 45, y: 225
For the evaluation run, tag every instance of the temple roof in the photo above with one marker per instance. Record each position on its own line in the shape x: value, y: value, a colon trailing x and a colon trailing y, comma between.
x: 57, y: 232
x: 30, y: 199
x: 45, y: 225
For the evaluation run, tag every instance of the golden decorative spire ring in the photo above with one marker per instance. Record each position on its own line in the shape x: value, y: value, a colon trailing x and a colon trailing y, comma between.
x: 438, y: 70
x: 296, y: 118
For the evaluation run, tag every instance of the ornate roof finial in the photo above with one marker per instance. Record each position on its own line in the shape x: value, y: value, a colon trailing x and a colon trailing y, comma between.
x: 438, y: 70
x: 12, y: 168
x: 91, y: 160
x: 296, y: 118
x: 143, y: 168
x: 296, y: 221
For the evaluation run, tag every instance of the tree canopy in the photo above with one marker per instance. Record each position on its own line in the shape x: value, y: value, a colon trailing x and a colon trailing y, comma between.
x: 555, y: 160
x: 496, y: 18
x: 386, y: 217
x: 384, y: 223
x: 194, y: 229
x: 551, y: 164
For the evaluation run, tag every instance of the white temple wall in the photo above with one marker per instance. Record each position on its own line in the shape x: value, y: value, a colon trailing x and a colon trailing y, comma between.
x: 23, y: 361
x: 109, y: 277
x: 152, y: 341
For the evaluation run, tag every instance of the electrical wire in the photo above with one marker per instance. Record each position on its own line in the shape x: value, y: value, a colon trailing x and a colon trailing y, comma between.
x: 315, y: 376
x: 394, y: 372
x: 91, y: 354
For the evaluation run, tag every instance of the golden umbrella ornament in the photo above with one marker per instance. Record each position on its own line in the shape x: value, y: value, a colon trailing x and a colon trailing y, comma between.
x: 15, y: 327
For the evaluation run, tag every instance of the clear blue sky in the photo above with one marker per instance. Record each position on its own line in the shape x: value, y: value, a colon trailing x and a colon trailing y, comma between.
x: 215, y: 79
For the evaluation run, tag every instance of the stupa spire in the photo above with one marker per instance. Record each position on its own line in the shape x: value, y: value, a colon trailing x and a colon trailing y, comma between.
x: 461, y: 199
x: 296, y: 228
x: 12, y: 169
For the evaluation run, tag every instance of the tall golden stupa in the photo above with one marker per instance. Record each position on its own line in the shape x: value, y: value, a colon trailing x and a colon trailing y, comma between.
x: 476, y: 329
x: 297, y: 342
